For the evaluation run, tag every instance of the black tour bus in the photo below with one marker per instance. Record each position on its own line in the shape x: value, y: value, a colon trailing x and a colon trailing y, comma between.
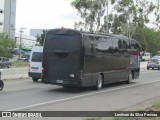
x: 75, y: 58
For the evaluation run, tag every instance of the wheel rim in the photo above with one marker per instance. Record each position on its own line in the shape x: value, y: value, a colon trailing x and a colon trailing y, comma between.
x: 130, y: 78
x: 99, y: 82
x: 1, y: 85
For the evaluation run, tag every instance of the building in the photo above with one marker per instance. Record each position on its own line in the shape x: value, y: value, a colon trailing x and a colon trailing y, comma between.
x: 1, y: 16
x: 8, y: 17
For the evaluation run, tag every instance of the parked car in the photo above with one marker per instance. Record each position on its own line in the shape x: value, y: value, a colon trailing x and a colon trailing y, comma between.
x: 24, y: 58
x: 4, y: 62
x: 35, y: 63
x: 153, y: 63
x: 156, y: 56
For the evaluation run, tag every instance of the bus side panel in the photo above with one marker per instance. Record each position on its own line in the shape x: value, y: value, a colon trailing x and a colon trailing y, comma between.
x: 102, y: 50
x: 135, y: 58
x: 88, y: 61
x: 120, y: 59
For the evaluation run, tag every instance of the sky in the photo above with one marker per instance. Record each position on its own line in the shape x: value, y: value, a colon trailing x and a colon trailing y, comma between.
x: 45, y: 14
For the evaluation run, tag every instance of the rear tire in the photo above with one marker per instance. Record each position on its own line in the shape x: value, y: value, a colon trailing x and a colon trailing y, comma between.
x: 147, y: 68
x: 8, y: 65
x: 99, y: 82
x: 130, y: 78
x: 1, y: 85
x: 35, y: 79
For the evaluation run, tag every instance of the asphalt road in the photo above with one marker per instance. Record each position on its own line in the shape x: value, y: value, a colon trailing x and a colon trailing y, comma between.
x: 27, y: 95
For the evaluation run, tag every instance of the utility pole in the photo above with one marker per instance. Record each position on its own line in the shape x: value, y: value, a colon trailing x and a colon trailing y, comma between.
x: 20, y: 46
x: 107, y: 31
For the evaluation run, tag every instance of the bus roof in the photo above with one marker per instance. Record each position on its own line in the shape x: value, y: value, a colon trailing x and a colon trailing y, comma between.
x: 63, y: 31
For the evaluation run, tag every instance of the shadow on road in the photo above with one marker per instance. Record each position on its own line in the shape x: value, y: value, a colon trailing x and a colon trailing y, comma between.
x: 78, y: 90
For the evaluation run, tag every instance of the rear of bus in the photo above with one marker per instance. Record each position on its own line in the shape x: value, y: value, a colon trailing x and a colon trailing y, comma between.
x: 61, y: 57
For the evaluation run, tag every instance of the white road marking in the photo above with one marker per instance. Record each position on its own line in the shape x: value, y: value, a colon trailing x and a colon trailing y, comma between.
x: 79, y: 96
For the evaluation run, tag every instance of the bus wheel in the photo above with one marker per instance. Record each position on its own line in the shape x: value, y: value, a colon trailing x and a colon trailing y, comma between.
x: 99, y: 82
x: 35, y: 79
x: 1, y: 85
x: 130, y: 78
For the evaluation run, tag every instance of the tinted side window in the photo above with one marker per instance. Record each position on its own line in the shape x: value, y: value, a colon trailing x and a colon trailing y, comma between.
x: 124, y: 44
x: 37, y: 57
x: 134, y: 45
x: 115, y: 42
x: 103, y: 44
x: 88, y: 44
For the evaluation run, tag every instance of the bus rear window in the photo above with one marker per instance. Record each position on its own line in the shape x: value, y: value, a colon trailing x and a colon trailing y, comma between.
x: 63, y: 42
x: 37, y: 57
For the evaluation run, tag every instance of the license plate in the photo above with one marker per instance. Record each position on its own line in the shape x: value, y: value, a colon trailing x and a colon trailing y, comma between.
x: 34, y: 68
x: 59, y: 81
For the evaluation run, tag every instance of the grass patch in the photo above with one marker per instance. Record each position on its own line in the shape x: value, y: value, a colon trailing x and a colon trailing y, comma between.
x: 157, y: 105
x: 98, y: 118
x: 20, y: 63
x: 121, y: 118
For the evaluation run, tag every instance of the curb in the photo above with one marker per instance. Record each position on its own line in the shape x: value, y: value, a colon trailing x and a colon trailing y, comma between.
x: 14, y: 77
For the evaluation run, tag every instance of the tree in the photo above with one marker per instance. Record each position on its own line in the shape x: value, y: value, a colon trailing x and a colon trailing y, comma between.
x: 130, y: 15
x: 7, y: 45
x: 40, y: 38
x: 91, y: 11
x: 157, y: 14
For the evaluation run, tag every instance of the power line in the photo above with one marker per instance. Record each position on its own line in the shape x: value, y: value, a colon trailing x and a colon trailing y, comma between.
x: 26, y: 39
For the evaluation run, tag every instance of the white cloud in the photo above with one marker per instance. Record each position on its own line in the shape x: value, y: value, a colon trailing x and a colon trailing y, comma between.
x: 45, y: 14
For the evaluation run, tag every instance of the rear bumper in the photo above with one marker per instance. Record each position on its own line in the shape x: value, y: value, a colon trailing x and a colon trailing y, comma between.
x: 73, y: 82
x: 153, y: 66
x: 37, y: 75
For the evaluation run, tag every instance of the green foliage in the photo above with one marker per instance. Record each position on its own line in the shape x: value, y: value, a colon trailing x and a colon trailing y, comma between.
x: 121, y: 118
x: 149, y: 38
x: 40, y: 38
x: 7, y: 45
x: 128, y: 17
x: 156, y: 105
x: 91, y: 11
x: 20, y: 63
x: 157, y: 14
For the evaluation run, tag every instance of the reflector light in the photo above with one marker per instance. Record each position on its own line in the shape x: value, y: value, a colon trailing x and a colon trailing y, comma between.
x: 28, y: 67
x: 42, y: 69
x: 62, y: 29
